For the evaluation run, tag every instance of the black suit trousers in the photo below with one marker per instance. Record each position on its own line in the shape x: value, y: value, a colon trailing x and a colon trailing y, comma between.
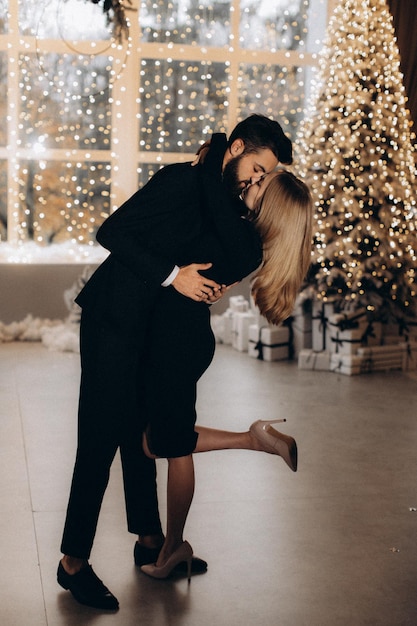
x: 109, y: 418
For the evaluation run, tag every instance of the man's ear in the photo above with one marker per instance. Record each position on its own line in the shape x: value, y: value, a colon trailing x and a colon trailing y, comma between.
x: 237, y: 147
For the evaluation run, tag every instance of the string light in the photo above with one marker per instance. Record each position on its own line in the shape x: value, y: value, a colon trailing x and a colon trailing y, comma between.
x: 66, y: 64
x: 357, y: 154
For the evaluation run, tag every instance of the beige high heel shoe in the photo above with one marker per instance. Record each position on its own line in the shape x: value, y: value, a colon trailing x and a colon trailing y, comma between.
x: 274, y: 442
x: 181, y: 554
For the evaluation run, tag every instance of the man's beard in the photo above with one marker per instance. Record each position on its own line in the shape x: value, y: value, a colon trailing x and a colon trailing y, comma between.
x: 230, y: 177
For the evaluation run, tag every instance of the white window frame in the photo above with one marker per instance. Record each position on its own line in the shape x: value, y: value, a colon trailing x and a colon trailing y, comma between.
x: 124, y: 155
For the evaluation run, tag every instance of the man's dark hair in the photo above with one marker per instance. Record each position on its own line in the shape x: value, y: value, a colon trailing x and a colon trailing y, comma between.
x: 258, y: 132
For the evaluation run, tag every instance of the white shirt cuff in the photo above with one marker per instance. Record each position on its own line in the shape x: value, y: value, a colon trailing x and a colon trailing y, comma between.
x: 169, y: 280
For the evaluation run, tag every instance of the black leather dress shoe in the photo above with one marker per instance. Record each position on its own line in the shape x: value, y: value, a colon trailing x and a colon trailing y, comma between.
x: 87, y: 588
x: 144, y: 556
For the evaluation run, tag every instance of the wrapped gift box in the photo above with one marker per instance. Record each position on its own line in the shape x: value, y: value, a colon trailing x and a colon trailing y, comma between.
x: 382, y: 351
x: 370, y: 364
x: 269, y: 343
x: 321, y: 312
x: 349, y: 364
x: 348, y: 333
x: 217, y: 323
x: 238, y: 304
x: 301, y: 327
x: 240, y: 330
x: 410, y: 330
x: 404, y: 330
x: 345, y: 342
x: 383, y: 358
x: 226, y: 327
x: 410, y: 355
x: 223, y: 325
x: 373, y: 334
x: 389, y: 331
x: 302, y: 315
x: 259, y: 318
x: 312, y: 360
x: 391, y: 340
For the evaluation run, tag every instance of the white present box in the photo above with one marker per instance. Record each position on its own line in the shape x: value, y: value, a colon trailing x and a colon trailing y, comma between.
x: 349, y: 364
x: 391, y: 340
x: 382, y: 351
x: 381, y: 365
x: 301, y: 340
x: 346, y: 342
x: 253, y: 340
x: 312, y: 360
x: 217, y: 323
x: 238, y: 304
x: 301, y: 328
x: 410, y: 355
x: 259, y: 318
x: 383, y: 358
x: 269, y: 343
x: 320, y: 320
x: 391, y: 330
x: 227, y: 327
x: 373, y: 334
x: 404, y: 329
x: 240, y: 331
x: 348, y: 332
x: 410, y: 329
x: 302, y: 315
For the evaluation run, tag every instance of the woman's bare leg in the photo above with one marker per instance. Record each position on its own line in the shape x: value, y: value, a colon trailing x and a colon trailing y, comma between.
x: 180, y: 492
x: 181, y: 480
x: 214, y: 439
x: 261, y: 437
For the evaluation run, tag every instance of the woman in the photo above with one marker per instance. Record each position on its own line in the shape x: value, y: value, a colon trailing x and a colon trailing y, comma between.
x: 280, y: 210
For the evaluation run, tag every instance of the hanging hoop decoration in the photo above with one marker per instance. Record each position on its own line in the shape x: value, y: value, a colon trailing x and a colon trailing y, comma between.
x: 120, y: 38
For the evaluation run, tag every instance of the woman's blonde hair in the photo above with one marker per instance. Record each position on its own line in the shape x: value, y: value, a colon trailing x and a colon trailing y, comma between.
x: 283, y: 217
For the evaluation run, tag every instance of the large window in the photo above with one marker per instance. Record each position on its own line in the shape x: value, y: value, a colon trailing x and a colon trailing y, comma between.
x: 90, y: 117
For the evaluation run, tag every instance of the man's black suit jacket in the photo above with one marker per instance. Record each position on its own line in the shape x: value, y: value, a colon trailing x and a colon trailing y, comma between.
x: 182, y: 215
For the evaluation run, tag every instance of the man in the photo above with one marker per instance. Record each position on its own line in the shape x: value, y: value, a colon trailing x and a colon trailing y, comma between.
x: 117, y: 307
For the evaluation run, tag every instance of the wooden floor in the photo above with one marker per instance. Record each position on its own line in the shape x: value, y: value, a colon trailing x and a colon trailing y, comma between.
x: 333, y: 545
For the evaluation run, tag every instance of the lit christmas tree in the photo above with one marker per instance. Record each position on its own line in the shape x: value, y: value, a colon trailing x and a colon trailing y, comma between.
x: 355, y: 149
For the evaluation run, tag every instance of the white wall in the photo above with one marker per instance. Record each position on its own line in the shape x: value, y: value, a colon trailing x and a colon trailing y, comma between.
x: 38, y: 289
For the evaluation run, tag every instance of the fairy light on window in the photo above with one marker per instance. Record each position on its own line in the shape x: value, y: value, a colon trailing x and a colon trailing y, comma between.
x: 190, y: 23
x: 186, y: 99
x: 69, y: 129
x: 79, y: 193
x: 273, y: 90
x: 274, y: 25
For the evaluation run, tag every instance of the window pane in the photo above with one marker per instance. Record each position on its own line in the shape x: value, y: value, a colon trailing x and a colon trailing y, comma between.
x: 68, y: 20
x: 198, y: 22
x: 4, y: 6
x: 64, y: 62
x: 282, y: 24
x: 274, y: 91
x: 54, y: 112
x: 62, y: 201
x: 146, y: 171
x: 181, y: 101
x: 3, y: 200
x: 3, y: 98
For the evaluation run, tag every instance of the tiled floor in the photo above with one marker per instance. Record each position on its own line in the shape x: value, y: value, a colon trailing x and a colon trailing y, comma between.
x: 333, y: 545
